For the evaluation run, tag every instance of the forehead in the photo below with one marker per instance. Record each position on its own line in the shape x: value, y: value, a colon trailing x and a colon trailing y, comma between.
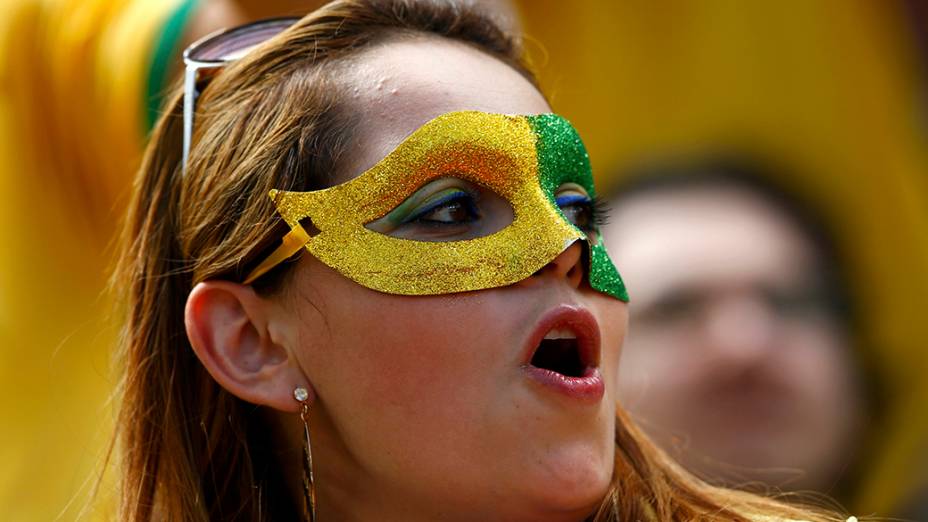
x: 401, y: 84
x: 698, y: 236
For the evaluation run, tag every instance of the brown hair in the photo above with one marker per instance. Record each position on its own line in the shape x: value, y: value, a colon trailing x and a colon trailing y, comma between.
x: 275, y: 119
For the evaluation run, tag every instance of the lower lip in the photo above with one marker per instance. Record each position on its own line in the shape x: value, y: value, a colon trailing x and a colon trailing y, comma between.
x: 588, y: 388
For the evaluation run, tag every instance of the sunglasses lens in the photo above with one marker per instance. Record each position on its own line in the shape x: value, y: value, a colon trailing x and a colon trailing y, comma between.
x: 236, y: 43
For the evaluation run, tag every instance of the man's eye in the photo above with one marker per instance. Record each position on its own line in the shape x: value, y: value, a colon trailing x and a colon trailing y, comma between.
x: 455, y: 208
x: 681, y: 306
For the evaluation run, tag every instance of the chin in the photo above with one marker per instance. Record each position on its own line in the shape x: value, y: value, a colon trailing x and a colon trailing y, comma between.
x: 573, y: 482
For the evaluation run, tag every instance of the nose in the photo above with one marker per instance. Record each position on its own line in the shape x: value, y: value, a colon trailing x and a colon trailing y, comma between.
x: 566, y: 266
x: 740, y: 331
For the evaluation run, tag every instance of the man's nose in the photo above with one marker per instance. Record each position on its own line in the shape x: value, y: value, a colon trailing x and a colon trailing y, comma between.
x: 740, y: 329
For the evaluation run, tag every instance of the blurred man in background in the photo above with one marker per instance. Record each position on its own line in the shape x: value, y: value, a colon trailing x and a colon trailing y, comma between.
x: 740, y: 359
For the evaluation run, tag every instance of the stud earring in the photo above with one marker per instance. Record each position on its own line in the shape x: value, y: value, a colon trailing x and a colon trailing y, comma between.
x: 309, y: 488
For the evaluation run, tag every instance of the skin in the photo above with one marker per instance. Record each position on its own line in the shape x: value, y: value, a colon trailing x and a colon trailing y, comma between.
x: 420, y: 408
x: 731, y: 386
x: 216, y: 15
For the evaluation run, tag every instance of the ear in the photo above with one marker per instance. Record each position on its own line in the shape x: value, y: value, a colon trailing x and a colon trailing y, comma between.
x: 244, y: 341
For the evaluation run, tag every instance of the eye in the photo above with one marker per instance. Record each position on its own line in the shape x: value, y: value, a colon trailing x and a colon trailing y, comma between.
x: 801, y: 302
x: 578, y: 209
x: 448, y: 207
x: 679, y: 306
x: 584, y: 212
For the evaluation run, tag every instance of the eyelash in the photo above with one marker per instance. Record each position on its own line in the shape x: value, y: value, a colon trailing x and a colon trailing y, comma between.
x: 597, y: 207
x: 467, y: 199
x: 601, y: 210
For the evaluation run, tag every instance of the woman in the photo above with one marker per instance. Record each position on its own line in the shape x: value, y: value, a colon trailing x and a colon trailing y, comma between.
x: 450, y: 345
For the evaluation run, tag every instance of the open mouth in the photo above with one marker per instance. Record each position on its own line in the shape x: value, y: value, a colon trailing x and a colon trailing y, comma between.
x: 565, y: 342
x: 560, y: 352
x: 563, y: 353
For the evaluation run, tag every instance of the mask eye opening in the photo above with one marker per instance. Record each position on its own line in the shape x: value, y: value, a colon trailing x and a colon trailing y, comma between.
x: 447, y: 209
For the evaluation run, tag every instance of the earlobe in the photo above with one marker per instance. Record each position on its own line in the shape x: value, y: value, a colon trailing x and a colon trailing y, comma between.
x: 229, y: 326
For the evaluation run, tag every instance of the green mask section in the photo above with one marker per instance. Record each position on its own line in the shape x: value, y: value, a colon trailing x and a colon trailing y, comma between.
x: 562, y: 158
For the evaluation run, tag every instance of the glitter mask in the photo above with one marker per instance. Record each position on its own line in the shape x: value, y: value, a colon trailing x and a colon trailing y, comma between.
x: 523, y: 159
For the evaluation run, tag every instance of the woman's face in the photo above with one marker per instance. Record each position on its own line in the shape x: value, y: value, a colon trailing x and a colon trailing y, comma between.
x: 432, y: 399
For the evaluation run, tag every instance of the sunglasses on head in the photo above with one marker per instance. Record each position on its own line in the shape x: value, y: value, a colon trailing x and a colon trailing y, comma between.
x: 206, y: 56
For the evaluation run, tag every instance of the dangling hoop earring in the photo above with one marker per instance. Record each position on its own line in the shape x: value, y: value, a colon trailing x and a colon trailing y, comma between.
x: 309, y: 487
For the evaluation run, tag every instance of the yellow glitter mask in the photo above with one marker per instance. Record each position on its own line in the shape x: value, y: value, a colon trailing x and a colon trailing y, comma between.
x: 522, y: 159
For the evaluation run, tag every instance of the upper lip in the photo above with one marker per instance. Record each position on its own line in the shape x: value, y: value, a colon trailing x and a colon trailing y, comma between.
x: 575, y: 318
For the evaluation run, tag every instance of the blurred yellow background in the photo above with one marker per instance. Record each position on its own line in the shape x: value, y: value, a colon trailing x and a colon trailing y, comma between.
x: 831, y: 87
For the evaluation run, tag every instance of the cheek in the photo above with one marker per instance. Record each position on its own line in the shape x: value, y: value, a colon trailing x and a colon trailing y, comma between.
x: 820, y: 366
x: 415, y: 353
x: 658, y: 362
x: 433, y: 363
x: 612, y: 316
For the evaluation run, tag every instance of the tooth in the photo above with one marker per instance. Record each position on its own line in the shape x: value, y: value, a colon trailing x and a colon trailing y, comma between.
x: 559, y: 333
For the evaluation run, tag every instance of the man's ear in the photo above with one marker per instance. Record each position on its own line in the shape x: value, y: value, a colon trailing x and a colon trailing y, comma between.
x: 229, y: 327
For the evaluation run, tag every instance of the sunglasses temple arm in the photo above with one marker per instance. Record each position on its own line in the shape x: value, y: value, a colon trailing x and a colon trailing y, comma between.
x: 190, y: 99
x: 290, y: 244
